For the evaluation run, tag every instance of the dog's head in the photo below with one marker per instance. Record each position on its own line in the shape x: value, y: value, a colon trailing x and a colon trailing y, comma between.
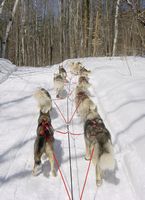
x: 60, y: 66
x: 84, y: 71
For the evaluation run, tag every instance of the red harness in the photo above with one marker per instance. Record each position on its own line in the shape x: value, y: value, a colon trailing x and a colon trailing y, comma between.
x: 44, y: 130
x: 95, y: 123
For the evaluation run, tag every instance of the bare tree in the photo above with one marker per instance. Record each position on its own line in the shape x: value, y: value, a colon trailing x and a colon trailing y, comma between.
x: 1, y: 6
x: 116, y: 28
x: 8, y: 28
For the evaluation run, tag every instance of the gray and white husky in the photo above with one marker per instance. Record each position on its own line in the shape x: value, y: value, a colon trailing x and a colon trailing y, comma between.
x: 58, y: 85
x: 97, y: 137
x: 83, y: 103
x: 44, y: 100
x: 44, y: 143
x: 62, y: 72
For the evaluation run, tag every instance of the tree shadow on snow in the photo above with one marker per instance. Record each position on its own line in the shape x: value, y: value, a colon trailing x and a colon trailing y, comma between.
x: 4, y: 156
x: 18, y: 175
x: 11, y: 102
x: 133, y: 123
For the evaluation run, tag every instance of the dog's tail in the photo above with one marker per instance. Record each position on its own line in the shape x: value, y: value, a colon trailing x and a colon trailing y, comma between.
x: 107, y: 160
x: 92, y: 114
x: 44, y: 100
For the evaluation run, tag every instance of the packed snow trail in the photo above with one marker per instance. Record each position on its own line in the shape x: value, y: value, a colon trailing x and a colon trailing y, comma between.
x: 120, y: 98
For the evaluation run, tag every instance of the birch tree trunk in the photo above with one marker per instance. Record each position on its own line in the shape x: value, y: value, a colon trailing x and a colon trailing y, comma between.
x: 116, y: 28
x: 61, y: 29
x: 8, y: 28
x: 1, y: 6
x: 23, y: 30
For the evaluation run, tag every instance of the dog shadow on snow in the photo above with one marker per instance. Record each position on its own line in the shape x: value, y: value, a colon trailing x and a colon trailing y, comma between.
x: 110, y: 176
x: 53, y: 113
x: 58, y: 152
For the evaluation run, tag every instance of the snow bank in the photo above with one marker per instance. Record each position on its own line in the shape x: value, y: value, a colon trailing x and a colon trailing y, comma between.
x: 6, y: 68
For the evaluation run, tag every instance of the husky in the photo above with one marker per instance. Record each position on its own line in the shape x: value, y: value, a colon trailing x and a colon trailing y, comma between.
x: 58, y: 85
x: 84, y: 104
x: 44, y: 143
x: 75, y: 68
x: 97, y: 137
x: 83, y: 82
x: 62, y: 72
x: 84, y: 72
x: 44, y: 99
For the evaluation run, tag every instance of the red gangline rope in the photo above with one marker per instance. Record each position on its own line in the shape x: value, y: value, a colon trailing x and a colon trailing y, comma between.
x: 60, y: 112
x: 74, y: 112
x: 64, y: 133
x: 67, y: 122
x: 76, y: 133
x: 87, y: 174
x: 61, y: 176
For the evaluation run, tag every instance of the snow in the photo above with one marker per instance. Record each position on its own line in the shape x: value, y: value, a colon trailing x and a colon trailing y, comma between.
x: 6, y: 68
x: 118, y: 89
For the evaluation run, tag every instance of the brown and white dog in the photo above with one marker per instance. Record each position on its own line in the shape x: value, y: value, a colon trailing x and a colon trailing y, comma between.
x: 84, y: 104
x: 44, y: 143
x: 58, y: 85
x: 44, y: 99
x: 98, y: 138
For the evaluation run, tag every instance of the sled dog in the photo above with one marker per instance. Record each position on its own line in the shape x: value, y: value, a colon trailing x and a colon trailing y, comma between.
x: 44, y: 99
x: 84, y: 104
x: 75, y: 67
x: 83, y: 82
x: 98, y: 137
x: 84, y: 72
x: 44, y: 143
x: 58, y: 85
x: 62, y: 72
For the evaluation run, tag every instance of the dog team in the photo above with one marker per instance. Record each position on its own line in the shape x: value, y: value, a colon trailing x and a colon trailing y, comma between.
x: 97, y: 137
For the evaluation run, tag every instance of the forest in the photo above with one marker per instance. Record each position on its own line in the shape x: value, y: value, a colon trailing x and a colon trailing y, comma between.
x: 45, y: 32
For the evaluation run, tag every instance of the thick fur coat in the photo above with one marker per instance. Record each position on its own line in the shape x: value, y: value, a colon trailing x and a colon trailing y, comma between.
x: 58, y: 85
x: 97, y: 137
x: 44, y: 142
x: 44, y: 100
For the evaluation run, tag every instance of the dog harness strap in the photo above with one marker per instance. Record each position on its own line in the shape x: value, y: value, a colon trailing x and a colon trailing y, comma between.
x: 44, y: 131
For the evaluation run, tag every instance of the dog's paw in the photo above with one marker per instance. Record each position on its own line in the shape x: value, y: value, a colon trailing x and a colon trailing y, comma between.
x: 99, y: 182
x: 37, y: 170
x: 87, y: 157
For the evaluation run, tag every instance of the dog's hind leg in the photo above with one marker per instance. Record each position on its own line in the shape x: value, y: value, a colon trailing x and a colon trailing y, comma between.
x: 95, y: 160
x: 38, y: 151
x: 37, y: 165
x: 98, y: 175
x: 49, y: 153
x: 87, y: 155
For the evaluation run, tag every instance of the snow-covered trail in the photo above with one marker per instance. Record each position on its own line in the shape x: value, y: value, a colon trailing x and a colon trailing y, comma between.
x: 112, y: 90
